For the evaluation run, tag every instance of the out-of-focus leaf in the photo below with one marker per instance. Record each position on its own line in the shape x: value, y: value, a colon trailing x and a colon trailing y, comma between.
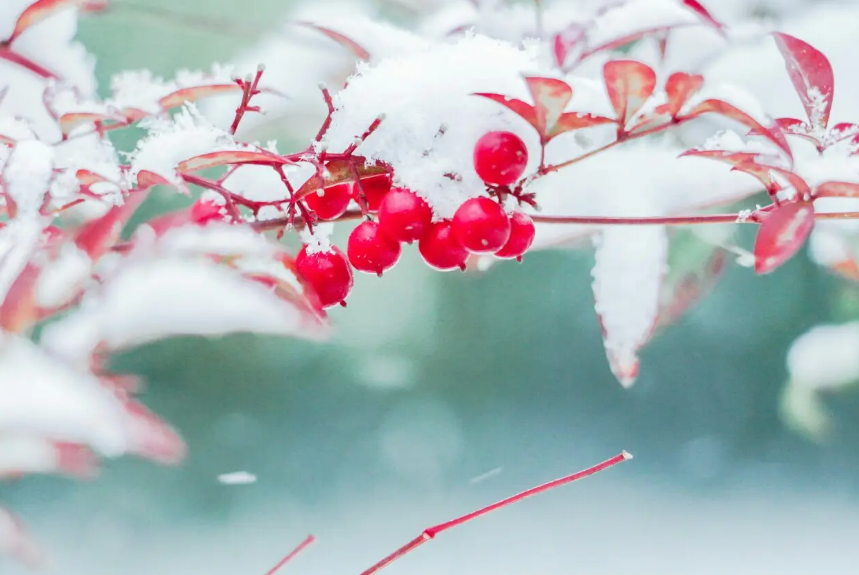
x: 782, y: 234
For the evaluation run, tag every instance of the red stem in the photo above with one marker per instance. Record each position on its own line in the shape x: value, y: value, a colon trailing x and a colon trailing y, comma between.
x: 10, y: 55
x: 431, y: 532
x: 292, y: 554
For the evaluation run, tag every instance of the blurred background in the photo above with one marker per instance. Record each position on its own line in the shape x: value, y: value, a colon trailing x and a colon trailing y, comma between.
x: 441, y: 393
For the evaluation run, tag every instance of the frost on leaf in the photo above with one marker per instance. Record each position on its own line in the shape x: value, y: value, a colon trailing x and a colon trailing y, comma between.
x: 716, y: 106
x: 186, y: 136
x: 629, y: 85
x: 48, y: 398
x: 628, y: 273
x: 812, y: 77
x: 192, y: 280
x: 782, y: 234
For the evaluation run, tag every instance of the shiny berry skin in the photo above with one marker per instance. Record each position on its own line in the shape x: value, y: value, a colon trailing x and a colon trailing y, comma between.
x: 481, y: 225
x: 370, y: 250
x: 521, y: 237
x: 440, y: 249
x: 403, y: 215
x: 500, y: 158
x: 375, y: 188
x: 332, y: 203
x: 328, y: 273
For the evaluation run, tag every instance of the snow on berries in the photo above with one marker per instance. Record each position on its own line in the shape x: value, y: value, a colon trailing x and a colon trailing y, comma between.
x: 328, y: 272
x: 500, y: 158
x: 330, y: 203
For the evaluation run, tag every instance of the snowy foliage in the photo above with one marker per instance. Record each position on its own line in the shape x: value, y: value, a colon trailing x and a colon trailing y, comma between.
x: 603, y: 96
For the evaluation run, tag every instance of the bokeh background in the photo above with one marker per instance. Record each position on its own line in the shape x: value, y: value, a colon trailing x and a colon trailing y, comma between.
x: 443, y: 392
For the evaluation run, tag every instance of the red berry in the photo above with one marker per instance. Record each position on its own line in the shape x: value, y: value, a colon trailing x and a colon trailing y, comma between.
x: 521, y: 236
x: 204, y: 211
x: 403, y: 215
x: 329, y: 273
x: 481, y: 225
x: 375, y: 188
x: 372, y: 251
x: 332, y: 203
x: 440, y: 249
x: 500, y: 158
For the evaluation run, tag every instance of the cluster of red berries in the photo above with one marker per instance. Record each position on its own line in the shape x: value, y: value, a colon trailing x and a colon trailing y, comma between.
x: 479, y: 226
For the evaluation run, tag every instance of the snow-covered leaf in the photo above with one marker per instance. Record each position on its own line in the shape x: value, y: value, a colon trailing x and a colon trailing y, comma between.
x: 24, y: 454
x: 195, y: 94
x: 97, y: 236
x: 812, y: 77
x: 41, y: 9
x: 628, y: 274
x: 69, y: 122
x: 715, y: 106
x: 215, y: 159
x: 782, y: 234
x: 567, y: 41
x: 629, y: 84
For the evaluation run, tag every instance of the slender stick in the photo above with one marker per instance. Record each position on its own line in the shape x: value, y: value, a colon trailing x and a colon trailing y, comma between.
x: 291, y: 555
x: 431, y: 532
x: 16, y: 58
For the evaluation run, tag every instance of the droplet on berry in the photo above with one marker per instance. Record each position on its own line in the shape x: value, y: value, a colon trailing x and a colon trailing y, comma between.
x: 329, y: 273
x: 521, y: 236
x: 332, y: 203
x: 481, y: 225
x: 375, y: 188
x: 403, y: 215
x: 500, y: 158
x: 372, y: 251
x: 204, y: 211
x: 440, y: 249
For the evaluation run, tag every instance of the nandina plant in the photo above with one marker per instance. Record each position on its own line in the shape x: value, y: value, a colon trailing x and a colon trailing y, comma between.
x: 478, y: 158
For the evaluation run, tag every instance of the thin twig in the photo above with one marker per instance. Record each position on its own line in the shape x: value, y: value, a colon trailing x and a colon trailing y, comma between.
x: 291, y: 555
x: 432, y: 532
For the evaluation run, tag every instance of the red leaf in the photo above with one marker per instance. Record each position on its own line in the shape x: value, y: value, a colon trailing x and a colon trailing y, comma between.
x: 525, y: 110
x: 194, y: 94
x: 345, y: 41
x: 795, y: 180
x: 747, y: 162
x: 68, y: 122
x: 679, y: 87
x: 812, y: 77
x: 629, y: 84
x: 214, y: 159
x: 704, y: 14
x: 97, y: 236
x: 566, y: 41
x: 88, y: 178
x: 837, y: 190
x: 843, y: 130
x: 42, y: 9
x: 551, y: 97
x: 570, y: 121
x: 147, y: 179
x: 782, y: 234
x: 18, y: 310
x: 774, y: 134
